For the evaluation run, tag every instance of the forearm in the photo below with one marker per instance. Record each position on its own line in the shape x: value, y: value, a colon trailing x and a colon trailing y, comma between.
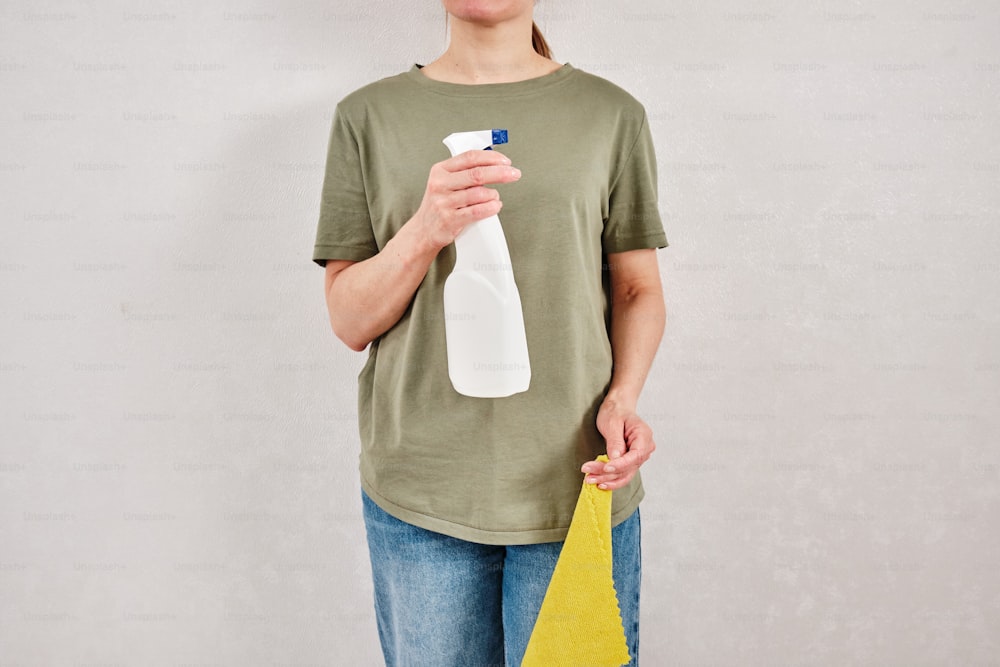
x: 637, y: 323
x: 367, y: 298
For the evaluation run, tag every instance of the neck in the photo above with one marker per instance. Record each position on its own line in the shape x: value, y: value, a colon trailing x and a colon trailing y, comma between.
x: 497, y: 53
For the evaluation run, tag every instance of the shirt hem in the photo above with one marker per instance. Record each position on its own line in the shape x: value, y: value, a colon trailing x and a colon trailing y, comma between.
x: 653, y: 240
x: 494, y: 537
x: 630, y: 506
x: 324, y: 252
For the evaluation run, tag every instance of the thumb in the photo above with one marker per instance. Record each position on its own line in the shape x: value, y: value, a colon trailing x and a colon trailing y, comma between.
x: 615, y: 438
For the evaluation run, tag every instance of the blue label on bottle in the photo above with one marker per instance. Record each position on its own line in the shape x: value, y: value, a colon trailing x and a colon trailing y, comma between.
x: 499, y: 137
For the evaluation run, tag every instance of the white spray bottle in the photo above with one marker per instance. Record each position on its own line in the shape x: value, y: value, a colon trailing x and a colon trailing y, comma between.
x: 483, y: 321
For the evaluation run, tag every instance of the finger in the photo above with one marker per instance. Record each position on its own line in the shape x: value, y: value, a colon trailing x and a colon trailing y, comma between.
x: 640, y: 448
x: 612, y: 482
x: 603, y: 478
x: 473, y: 196
x: 614, y: 485
x: 470, y: 214
x: 481, y: 175
x: 636, y: 428
x: 615, y: 437
x: 638, y: 454
x: 474, y: 158
x: 594, y: 467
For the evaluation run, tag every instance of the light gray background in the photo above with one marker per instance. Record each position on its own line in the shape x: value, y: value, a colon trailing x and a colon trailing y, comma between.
x: 179, y: 443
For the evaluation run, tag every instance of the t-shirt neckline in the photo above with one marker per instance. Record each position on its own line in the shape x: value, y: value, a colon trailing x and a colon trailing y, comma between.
x: 507, y: 89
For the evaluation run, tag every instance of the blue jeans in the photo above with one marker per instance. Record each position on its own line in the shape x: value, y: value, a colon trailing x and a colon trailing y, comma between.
x: 444, y: 602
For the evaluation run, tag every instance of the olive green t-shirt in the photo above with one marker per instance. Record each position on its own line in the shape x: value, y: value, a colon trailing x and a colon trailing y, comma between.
x: 493, y: 470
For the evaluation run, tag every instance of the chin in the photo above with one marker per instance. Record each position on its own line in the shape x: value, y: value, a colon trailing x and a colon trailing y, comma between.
x: 487, y: 11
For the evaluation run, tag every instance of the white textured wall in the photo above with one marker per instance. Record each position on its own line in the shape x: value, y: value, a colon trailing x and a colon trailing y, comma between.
x: 178, y: 423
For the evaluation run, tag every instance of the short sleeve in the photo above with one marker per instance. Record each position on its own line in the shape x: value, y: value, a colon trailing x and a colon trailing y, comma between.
x: 345, y: 228
x: 633, y: 220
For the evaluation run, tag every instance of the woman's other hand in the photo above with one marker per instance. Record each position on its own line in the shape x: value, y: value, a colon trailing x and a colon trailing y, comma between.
x: 630, y: 444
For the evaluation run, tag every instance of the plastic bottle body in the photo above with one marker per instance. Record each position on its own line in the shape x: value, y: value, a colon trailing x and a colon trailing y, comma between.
x: 487, y: 347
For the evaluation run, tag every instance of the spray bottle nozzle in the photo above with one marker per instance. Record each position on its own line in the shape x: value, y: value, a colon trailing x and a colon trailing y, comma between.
x: 459, y: 142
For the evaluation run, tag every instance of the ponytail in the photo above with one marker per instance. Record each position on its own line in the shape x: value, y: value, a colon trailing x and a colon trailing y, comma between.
x: 538, y: 42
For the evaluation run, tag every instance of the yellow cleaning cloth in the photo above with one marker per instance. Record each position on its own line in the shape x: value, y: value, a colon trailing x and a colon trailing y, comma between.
x: 580, y: 622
